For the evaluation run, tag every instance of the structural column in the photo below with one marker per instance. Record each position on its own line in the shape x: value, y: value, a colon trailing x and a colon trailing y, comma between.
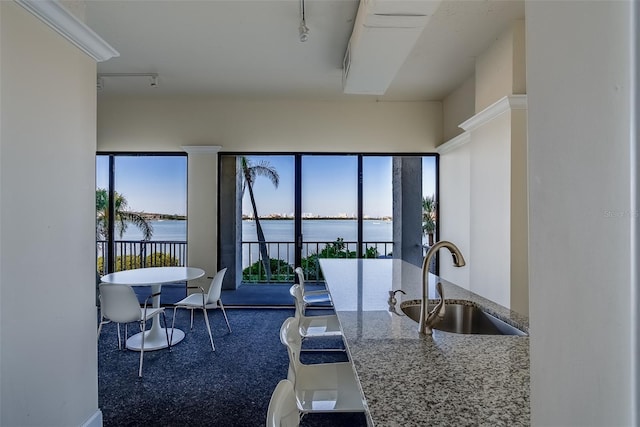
x: 202, y: 208
x: 230, y: 221
x: 407, y: 209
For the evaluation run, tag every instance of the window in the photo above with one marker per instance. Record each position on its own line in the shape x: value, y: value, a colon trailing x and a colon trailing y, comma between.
x: 325, y: 205
x: 146, y: 195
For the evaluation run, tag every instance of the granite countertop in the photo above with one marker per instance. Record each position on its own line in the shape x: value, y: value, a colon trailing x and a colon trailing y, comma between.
x: 412, y: 380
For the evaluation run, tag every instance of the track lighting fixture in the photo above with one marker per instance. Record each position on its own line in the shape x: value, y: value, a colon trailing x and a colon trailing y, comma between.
x: 153, y: 78
x: 303, y: 30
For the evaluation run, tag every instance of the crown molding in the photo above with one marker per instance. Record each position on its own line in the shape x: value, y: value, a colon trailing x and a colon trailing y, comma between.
x: 58, y: 18
x: 201, y: 149
x: 508, y: 103
x: 454, y: 143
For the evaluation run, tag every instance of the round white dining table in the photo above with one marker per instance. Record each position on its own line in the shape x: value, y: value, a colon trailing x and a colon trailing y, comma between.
x: 155, y: 277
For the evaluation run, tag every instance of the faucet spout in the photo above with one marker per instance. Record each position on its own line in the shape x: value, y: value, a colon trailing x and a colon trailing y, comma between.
x: 427, y: 320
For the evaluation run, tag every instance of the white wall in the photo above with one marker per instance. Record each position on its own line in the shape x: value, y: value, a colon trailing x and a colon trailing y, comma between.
x: 490, y: 210
x: 495, y: 198
x: 455, y: 206
x: 582, y: 216
x: 48, y: 356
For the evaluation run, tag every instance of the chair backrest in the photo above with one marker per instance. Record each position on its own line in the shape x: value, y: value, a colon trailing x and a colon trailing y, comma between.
x: 283, y: 409
x: 216, y: 287
x: 298, y: 301
x: 290, y: 337
x: 300, y: 273
x: 119, y: 303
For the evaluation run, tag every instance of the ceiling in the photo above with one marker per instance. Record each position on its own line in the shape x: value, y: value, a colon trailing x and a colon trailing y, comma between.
x: 251, y: 48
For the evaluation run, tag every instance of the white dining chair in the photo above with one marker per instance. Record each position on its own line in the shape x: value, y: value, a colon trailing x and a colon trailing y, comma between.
x: 283, y: 408
x: 321, y: 387
x: 320, y: 326
x: 119, y: 304
x: 204, y: 301
x: 310, y: 297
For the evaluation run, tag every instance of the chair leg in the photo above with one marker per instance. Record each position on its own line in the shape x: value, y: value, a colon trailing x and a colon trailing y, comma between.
x: 191, y: 309
x: 166, y: 331
x: 225, y: 315
x: 173, y: 322
x: 206, y: 320
x: 102, y: 322
x: 119, y: 337
x: 143, y: 327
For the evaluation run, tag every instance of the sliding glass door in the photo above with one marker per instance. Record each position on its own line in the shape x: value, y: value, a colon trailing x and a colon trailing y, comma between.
x: 329, y: 210
x: 267, y: 188
x: 377, y: 206
x: 324, y: 205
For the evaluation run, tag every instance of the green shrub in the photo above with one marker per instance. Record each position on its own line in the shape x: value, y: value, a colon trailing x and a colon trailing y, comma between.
x: 281, y: 271
x: 131, y: 262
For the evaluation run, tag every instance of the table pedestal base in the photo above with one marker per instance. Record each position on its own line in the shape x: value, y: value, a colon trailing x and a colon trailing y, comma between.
x: 155, y: 339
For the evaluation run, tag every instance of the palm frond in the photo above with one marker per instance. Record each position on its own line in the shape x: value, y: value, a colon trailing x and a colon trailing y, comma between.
x: 268, y: 171
x: 139, y: 221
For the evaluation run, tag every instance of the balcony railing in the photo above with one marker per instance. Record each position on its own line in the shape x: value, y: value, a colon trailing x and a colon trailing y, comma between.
x: 282, y: 256
x: 131, y: 254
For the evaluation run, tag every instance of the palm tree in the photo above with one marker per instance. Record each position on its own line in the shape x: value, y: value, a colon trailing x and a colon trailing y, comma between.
x: 429, y: 217
x: 122, y: 216
x: 250, y: 173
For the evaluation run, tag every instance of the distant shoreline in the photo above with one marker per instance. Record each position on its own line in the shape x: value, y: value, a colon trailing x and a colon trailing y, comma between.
x: 158, y: 216
x: 332, y: 218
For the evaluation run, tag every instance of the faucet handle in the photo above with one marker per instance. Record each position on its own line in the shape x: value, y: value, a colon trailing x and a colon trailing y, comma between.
x: 392, y: 296
x: 392, y: 301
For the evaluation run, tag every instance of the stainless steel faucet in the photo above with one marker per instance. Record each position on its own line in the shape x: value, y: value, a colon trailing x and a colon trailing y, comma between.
x: 427, y: 320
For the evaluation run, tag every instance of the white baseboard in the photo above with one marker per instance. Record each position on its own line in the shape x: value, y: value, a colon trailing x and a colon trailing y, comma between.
x: 94, y: 420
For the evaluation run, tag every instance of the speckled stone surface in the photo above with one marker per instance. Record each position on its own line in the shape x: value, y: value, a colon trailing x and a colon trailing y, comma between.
x: 413, y: 380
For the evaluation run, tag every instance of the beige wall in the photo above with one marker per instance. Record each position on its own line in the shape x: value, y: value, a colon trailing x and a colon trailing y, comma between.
x: 168, y: 123
x: 519, y: 58
x: 457, y: 107
x: 202, y: 233
x: 48, y: 356
x: 500, y: 70
x: 519, y: 218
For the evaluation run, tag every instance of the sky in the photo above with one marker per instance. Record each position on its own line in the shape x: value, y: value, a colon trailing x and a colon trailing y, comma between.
x: 152, y: 184
x: 158, y: 184
x: 329, y: 185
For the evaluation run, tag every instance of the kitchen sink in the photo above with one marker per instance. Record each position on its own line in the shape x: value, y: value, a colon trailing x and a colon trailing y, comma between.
x: 464, y: 318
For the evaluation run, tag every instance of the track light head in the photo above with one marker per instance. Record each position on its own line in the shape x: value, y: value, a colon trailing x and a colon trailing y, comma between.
x: 304, y: 32
x: 153, y: 78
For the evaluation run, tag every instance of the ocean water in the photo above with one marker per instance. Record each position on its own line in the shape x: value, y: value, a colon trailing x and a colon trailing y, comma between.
x: 170, y: 230
x: 322, y: 230
x: 281, y: 234
x: 313, y: 230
